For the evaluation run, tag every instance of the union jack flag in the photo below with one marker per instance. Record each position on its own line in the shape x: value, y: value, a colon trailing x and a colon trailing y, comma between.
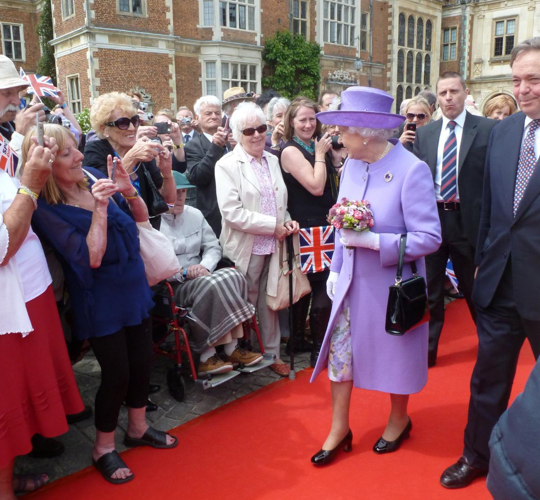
x: 452, y: 275
x: 8, y: 159
x: 316, y: 248
x: 42, y: 86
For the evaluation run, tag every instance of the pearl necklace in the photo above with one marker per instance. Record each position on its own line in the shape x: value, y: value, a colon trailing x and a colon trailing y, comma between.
x: 386, y: 150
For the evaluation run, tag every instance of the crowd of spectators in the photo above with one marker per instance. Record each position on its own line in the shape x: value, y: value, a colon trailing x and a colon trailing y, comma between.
x: 227, y: 182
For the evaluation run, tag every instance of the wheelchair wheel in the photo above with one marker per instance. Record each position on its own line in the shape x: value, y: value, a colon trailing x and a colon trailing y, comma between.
x: 177, y: 386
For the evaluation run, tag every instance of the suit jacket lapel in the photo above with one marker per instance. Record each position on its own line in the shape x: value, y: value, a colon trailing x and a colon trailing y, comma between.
x: 469, y: 133
x: 508, y: 171
x: 205, y: 143
x: 433, y: 146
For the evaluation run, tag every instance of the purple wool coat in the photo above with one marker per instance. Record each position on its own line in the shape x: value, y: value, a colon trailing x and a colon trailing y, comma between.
x: 404, y: 204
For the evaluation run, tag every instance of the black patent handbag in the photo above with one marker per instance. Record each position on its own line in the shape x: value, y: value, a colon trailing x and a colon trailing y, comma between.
x: 407, y: 300
x: 156, y: 203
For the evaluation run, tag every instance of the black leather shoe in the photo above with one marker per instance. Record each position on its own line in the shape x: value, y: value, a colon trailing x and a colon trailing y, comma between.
x: 460, y: 475
x: 43, y: 447
x: 79, y: 417
x: 383, y: 446
x: 153, y: 388
x: 324, y: 457
x: 151, y: 406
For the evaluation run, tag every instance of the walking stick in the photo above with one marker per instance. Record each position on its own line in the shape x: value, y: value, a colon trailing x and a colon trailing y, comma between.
x: 290, y: 260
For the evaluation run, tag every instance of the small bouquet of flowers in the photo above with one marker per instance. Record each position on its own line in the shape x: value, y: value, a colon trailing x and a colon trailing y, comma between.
x: 351, y: 214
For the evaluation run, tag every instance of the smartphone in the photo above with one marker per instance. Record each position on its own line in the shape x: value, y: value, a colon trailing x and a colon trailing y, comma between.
x: 39, y: 131
x: 411, y: 126
x: 163, y: 128
x: 113, y: 171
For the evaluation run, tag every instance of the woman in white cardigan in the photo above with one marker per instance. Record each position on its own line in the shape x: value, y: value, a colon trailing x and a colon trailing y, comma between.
x: 252, y: 199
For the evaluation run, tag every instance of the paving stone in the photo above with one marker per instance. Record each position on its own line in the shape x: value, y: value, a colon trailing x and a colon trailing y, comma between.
x: 179, y: 411
x: 207, y: 404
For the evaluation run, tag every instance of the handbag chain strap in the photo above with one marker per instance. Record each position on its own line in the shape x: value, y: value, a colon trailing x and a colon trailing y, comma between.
x: 402, y: 244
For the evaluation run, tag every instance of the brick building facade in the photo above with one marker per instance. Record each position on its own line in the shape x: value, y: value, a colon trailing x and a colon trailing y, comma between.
x: 178, y: 50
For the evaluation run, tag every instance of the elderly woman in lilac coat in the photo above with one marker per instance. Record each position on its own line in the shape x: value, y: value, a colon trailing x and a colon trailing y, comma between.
x: 356, y: 349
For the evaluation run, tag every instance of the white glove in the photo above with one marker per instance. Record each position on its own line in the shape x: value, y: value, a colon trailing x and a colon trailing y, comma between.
x: 331, y: 283
x: 364, y: 239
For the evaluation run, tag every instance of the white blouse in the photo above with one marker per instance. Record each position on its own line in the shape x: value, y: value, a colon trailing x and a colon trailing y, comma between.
x: 26, y: 276
x: 192, y: 238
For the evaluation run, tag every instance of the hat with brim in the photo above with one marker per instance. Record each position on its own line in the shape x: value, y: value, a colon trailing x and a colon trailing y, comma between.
x: 181, y: 181
x: 363, y: 107
x: 9, y: 77
x: 236, y: 94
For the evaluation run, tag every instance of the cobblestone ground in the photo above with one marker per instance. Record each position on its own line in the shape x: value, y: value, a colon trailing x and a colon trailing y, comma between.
x: 171, y: 413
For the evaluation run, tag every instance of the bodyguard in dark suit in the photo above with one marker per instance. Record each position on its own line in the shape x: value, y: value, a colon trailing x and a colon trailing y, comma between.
x: 202, y: 154
x: 507, y: 286
x: 454, y: 147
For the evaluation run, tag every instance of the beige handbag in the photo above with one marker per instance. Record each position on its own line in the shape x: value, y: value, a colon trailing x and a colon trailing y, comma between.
x: 300, y: 282
x: 157, y: 253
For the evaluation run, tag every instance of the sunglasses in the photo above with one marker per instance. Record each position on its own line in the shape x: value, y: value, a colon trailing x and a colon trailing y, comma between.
x: 251, y: 131
x: 123, y: 123
x: 420, y: 116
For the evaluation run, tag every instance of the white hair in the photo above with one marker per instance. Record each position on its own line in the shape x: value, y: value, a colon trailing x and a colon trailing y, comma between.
x: 245, y: 112
x: 206, y: 100
x: 381, y: 133
x: 275, y: 104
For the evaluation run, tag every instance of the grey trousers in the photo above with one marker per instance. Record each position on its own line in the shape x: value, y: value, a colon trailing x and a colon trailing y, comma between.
x: 257, y: 277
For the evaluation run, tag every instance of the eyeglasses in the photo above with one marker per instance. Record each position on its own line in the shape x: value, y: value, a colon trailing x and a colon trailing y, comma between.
x: 251, y: 131
x: 123, y: 123
x: 420, y: 116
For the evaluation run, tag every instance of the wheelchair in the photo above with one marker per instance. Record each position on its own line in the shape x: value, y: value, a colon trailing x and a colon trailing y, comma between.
x: 170, y: 319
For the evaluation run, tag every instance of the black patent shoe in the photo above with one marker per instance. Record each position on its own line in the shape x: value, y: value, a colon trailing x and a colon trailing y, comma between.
x: 324, y: 457
x: 150, y: 406
x: 460, y: 475
x: 384, y: 446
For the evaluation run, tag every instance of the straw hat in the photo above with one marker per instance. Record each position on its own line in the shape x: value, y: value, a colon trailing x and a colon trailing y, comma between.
x: 235, y: 94
x: 9, y: 76
x: 363, y: 107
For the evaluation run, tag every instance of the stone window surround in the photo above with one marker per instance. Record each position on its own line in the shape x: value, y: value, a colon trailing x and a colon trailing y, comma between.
x: 74, y: 104
x: 449, y: 43
x: 493, y: 57
x: 352, y: 23
x: 222, y: 54
x: 64, y: 4
x: 144, y: 9
x: 21, y: 31
x: 299, y: 19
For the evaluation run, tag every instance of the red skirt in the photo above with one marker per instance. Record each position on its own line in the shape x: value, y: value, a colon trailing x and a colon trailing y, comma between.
x: 37, y: 385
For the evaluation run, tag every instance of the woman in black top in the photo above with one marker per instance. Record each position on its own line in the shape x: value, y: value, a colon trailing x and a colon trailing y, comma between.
x: 311, y: 183
x: 116, y: 122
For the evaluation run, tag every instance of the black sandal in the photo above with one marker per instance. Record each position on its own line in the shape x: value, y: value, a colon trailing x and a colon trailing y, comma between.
x: 152, y: 437
x: 22, y: 481
x: 108, y: 464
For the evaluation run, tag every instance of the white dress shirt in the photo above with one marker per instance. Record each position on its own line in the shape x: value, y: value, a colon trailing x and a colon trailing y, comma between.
x: 445, y: 131
x: 536, y: 136
x: 190, y: 135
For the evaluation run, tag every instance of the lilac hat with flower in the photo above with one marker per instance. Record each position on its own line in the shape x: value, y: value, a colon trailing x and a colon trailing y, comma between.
x: 363, y: 107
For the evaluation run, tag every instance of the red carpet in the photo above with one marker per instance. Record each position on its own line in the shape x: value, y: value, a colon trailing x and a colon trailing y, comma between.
x: 259, y: 446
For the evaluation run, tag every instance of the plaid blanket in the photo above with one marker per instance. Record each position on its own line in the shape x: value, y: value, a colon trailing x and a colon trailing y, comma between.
x: 216, y: 304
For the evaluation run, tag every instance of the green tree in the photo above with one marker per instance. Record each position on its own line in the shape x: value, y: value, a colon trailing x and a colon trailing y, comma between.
x: 294, y: 65
x: 44, y: 29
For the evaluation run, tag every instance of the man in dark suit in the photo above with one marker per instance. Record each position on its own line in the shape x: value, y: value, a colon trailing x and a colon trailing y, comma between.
x: 507, y: 285
x: 454, y: 147
x: 202, y: 154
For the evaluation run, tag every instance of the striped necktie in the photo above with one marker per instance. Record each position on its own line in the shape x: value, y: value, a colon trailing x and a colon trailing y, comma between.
x: 526, y: 164
x: 449, y: 165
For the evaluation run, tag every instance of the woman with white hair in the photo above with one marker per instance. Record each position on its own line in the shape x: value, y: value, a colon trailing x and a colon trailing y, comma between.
x: 357, y: 349
x: 275, y: 113
x: 252, y: 199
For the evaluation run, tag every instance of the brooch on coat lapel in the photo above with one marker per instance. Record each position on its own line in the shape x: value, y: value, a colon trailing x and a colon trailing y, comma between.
x: 388, y: 177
